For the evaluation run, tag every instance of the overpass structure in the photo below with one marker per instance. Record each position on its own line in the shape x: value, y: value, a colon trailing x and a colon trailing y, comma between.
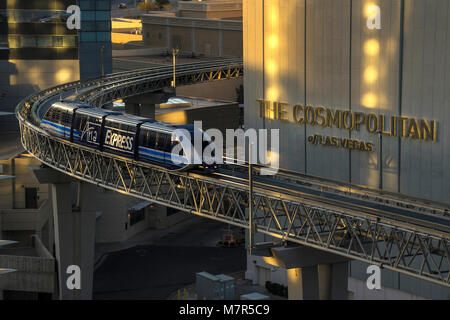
x: 397, y: 232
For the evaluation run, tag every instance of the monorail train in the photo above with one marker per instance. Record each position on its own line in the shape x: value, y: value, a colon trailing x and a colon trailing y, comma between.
x: 136, y: 138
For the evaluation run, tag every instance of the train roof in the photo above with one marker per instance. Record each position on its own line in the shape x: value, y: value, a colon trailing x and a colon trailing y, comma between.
x: 126, y: 119
x: 69, y: 105
x: 96, y: 112
x: 158, y: 125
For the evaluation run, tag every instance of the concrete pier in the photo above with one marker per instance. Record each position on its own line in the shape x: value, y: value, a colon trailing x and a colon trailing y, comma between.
x: 144, y: 105
x: 74, y: 224
x: 74, y: 241
x: 311, y: 274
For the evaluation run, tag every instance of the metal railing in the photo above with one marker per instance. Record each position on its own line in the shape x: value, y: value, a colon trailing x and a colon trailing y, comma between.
x: 415, y: 242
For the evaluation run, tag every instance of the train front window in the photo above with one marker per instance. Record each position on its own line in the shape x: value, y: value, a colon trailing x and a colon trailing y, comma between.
x: 54, y: 115
x: 48, y: 115
x: 175, y: 141
x: 66, y: 118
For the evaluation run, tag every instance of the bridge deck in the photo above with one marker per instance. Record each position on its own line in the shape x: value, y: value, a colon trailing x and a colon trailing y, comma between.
x: 401, y: 233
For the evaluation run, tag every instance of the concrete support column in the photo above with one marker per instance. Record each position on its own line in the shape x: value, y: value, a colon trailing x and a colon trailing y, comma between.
x: 132, y: 108
x: 144, y: 105
x: 158, y: 218
x: 74, y: 243
x: 146, y: 110
x: 339, y: 281
x: 302, y: 283
x: 321, y: 282
x: 324, y: 281
x: 312, y: 274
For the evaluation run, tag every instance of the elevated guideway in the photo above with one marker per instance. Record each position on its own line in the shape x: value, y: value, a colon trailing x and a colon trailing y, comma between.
x: 400, y: 233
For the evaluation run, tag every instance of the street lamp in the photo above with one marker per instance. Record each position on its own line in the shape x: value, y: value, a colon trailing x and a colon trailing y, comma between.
x: 174, y: 54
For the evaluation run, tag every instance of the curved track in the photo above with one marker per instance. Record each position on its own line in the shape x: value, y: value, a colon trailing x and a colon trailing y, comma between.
x: 401, y: 233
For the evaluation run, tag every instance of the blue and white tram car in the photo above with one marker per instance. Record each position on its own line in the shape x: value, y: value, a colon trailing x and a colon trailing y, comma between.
x: 88, y: 126
x: 59, y: 117
x: 120, y: 134
x: 156, y: 143
x: 136, y: 138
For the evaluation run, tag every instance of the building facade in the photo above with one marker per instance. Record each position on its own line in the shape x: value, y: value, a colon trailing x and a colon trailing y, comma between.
x: 38, y: 50
x: 210, y: 28
x: 95, y: 52
x: 326, y: 73
x: 359, y: 95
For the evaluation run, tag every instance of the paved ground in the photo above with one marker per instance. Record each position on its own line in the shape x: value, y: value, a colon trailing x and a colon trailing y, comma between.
x: 10, y: 145
x: 157, y: 263
x: 242, y: 286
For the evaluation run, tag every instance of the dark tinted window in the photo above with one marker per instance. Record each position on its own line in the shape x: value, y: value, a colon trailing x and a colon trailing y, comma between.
x: 120, y: 126
x: 31, y: 198
x: 81, y: 122
x: 54, y: 115
x: 48, y: 114
x: 66, y: 118
x: 149, y: 139
x: 163, y: 142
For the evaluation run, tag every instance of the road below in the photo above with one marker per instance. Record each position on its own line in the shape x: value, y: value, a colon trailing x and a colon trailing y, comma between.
x: 155, y: 269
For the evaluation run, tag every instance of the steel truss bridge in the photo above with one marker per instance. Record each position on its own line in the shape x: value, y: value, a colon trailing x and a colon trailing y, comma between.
x: 397, y: 232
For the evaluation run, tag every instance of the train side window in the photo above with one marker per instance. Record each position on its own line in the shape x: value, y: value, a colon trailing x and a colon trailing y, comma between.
x: 82, y: 122
x: 120, y: 126
x: 127, y: 128
x: 111, y: 124
x: 158, y: 141
x: 163, y: 142
x: 151, y: 139
x: 94, y: 120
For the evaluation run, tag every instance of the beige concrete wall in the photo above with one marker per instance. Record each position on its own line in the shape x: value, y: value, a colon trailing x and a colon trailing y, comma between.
x: 154, y: 36
x: 181, y: 37
x: 114, y: 224
x: 232, y: 43
x: 110, y: 226
x: 212, y: 37
x: 229, y: 14
x: 425, y: 167
x: 35, y: 274
x: 207, y: 42
x: 358, y: 291
x: 380, y: 95
x: 324, y: 55
x: 210, y: 9
x: 23, y: 179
